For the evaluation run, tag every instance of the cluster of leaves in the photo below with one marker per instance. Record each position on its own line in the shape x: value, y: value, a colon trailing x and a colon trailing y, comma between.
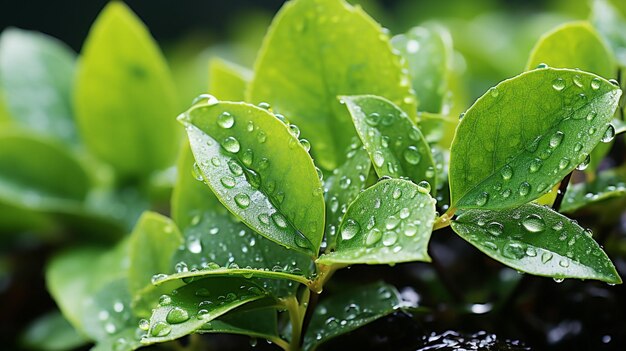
x: 256, y: 227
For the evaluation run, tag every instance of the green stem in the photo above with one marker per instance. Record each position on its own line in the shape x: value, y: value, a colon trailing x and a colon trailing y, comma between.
x: 296, y: 318
x: 444, y: 220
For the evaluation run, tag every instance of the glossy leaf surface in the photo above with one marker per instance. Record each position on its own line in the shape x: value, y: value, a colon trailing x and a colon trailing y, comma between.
x: 228, y: 81
x: 350, y: 310
x: 305, y: 63
x: 536, y: 240
x: 124, y: 96
x: 259, y: 170
x: 428, y: 52
x: 389, y: 222
x: 52, y: 332
x: 607, y: 185
x: 574, y: 45
x: 612, y: 26
x: 533, y: 129
x: 396, y: 146
x: 36, y: 76
x: 196, y: 304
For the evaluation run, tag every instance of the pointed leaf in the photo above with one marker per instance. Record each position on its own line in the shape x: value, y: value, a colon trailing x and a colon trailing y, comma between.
x: 396, y: 146
x: 217, y: 244
x: 228, y: 81
x: 574, y: 45
x: 307, y: 60
x: 428, y: 52
x: 199, y: 303
x: 37, y: 73
x: 607, y: 185
x: 124, y: 97
x: 152, y: 245
x: 263, y: 176
x: 524, y: 135
x: 350, y: 310
x: 342, y: 187
x: 536, y: 240
x: 258, y: 323
x: 437, y: 129
x: 389, y: 222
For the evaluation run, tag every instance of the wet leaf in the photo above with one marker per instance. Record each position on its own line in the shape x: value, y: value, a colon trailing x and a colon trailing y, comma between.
x: 350, y: 310
x: 306, y: 62
x: 123, y: 80
x: 612, y: 26
x: 36, y: 76
x: 228, y: 81
x: 199, y: 303
x: 536, y: 240
x: 607, y: 185
x: 396, y: 146
x: 52, y: 332
x: 574, y: 45
x: 342, y: 187
x: 533, y: 129
x: 437, y: 129
x: 389, y: 222
x: 259, y: 170
x: 428, y: 52
x: 217, y: 244
x: 258, y: 323
x: 152, y: 245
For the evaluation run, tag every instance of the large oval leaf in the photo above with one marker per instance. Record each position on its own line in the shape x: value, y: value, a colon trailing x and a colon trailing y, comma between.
x: 342, y: 187
x: 307, y: 60
x: 197, y: 304
x: 574, y: 45
x: 228, y: 81
x: 124, y: 97
x: 524, y: 135
x: 536, y: 240
x: 217, y: 244
x: 350, y: 310
x: 37, y: 73
x: 428, y: 52
x: 259, y: 171
x: 389, y: 222
x: 396, y: 146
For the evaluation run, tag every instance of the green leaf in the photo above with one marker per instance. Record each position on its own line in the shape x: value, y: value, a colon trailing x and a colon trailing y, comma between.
x: 228, y: 81
x: 350, y: 310
x: 536, y: 240
x: 37, y: 73
x: 437, y: 129
x: 524, y: 135
x: 217, y: 244
x: 124, y: 97
x: 52, y: 332
x: 258, y: 323
x: 389, y: 222
x: 264, y: 176
x: 608, y: 21
x: 428, y: 52
x: 342, y: 187
x: 307, y: 60
x: 152, y: 244
x: 396, y: 146
x: 574, y: 45
x: 198, y: 303
x: 607, y: 185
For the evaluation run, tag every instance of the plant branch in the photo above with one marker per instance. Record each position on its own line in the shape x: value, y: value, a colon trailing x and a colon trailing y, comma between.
x: 296, y: 319
x: 561, y: 192
x: 444, y: 220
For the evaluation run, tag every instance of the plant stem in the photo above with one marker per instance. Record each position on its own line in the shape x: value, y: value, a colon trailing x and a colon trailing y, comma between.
x: 444, y: 220
x: 296, y: 319
x: 561, y: 192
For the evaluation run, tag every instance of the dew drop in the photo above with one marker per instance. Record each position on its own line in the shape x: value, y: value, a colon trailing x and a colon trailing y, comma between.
x: 583, y: 165
x: 231, y: 145
x: 495, y: 228
x: 535, y: 165
x: 534, y: 223
x: 197, y: 172
x: 482, y: 199
x: 373, y: 236
x: 242, y: 200
x: 390, y: 238
x: 558, y: 84
x: 225, y: 120
x: 555, y: 139
x: 423, y: 187
x: 524, y: 189
x: 546, y: 257
x: 493, y: 91
x: 609, y: 134
x: 392, y: 222
x: 177, y: 315
x: 412, y: 155
x: 161, y: 329
x: 378, y: 159
x: 595, y: 83
x: 194, y: 245
x: 228, y: 182
x: 506, y: 172
x: 563, y: 163
x: 279, y: 220
x: 350, y: 229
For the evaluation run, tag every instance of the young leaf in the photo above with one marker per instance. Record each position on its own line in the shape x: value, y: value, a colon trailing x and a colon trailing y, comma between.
x: 612, y: 26
x: 124, y: 97
x: 609, y: 184
x: 217, y: 244
x: 52, y: 332
x: 428, y: 52
x: 389, y: 222
x: 574, y: 45
x: 198, y: 303
x: 307, y: 61
x: 259, y: 170
x: 437, y: 129
x: 228, y: 81
x: 536, y: 240
x: 396, y: 146
x: 152, y: 244
x: 350, y: 310
x: 258, y: 323
x: 342, y: 187
x: 36, y: 75
x: 532, y: 130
